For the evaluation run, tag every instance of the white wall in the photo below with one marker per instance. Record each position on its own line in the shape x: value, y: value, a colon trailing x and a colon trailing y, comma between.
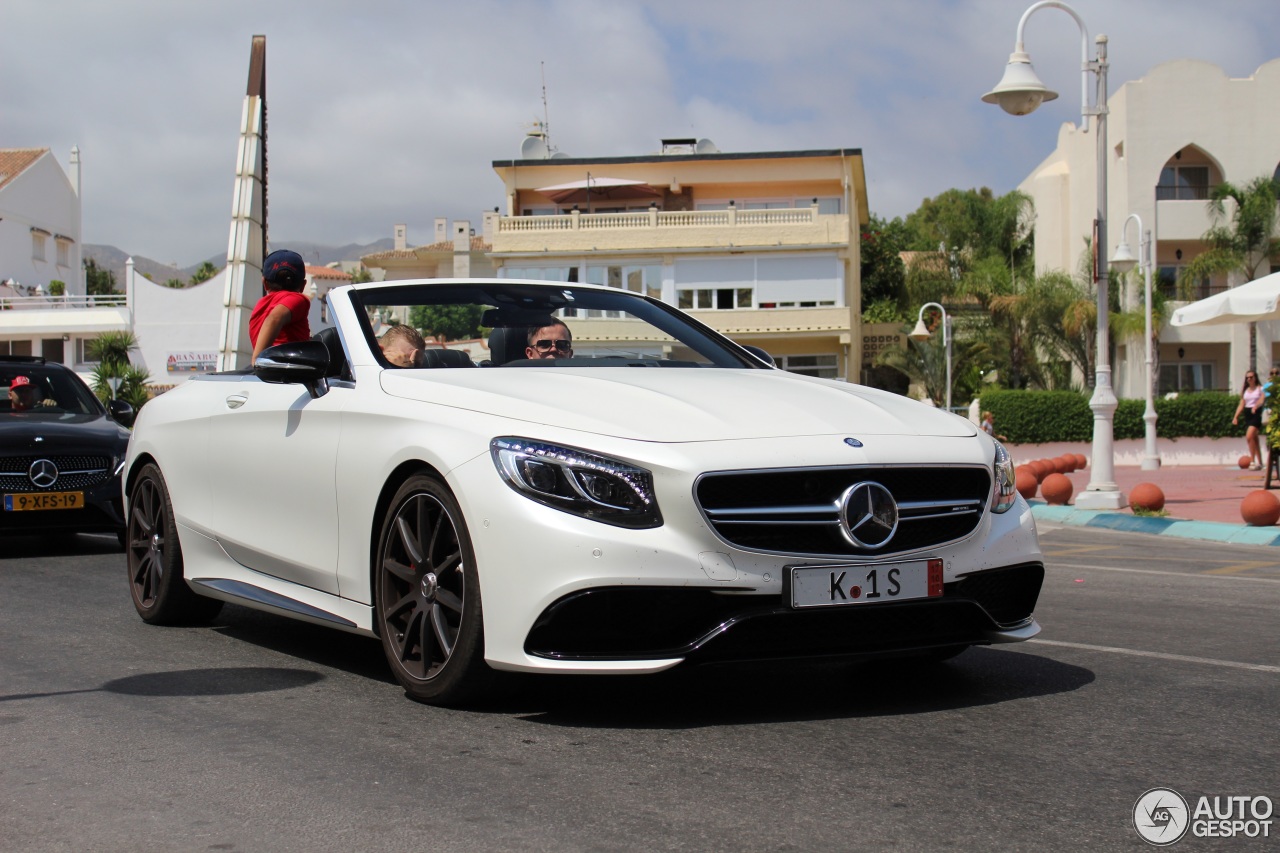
x: 42, y: 197
x: 174, y: 322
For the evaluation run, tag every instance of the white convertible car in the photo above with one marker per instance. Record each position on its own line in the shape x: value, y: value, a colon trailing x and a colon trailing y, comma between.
x: 651, y: 495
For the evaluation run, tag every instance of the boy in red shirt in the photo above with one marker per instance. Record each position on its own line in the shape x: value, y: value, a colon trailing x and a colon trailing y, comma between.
x: 281, y: 314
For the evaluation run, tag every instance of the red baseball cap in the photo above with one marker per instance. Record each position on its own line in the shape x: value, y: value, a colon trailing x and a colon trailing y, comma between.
x: 19, y: 381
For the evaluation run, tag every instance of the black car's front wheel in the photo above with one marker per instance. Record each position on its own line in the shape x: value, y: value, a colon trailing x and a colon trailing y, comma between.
x: 428, y: 596
x: 156, y: 584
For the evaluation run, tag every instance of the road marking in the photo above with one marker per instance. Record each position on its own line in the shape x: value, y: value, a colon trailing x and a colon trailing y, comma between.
x: 1254, y: 667
x: 1241, y: 567
x: 1200, y: 575
x: 1072, y: 550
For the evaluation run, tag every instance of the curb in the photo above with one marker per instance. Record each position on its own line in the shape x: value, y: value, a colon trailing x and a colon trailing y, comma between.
x: 1212, y: 531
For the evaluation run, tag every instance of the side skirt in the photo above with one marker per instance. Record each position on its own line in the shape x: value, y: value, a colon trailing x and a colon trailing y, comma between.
x: 211, y: 572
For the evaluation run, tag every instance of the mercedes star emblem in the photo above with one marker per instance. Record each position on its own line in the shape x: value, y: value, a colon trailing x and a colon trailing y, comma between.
x: 43, y: 473
x: 869, y: 513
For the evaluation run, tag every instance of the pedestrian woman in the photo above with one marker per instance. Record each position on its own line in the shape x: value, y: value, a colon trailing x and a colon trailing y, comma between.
x: 1251, y: 400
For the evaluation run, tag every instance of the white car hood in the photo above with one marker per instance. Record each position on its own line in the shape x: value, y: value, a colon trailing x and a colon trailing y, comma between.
x: 676, y: 404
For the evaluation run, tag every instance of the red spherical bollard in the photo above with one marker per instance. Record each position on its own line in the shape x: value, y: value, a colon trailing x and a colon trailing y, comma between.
x: 1147, y: 496
x: 1244, y: 461
x: 1037, y: 470
x: 1068, y: 463
x: 1081, y: 461
x: 1056, y: 489
x: 1059, y: 465
x: 1260, y: 508
x: 1026, y: 482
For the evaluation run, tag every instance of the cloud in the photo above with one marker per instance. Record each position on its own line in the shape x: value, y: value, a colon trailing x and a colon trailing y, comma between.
x: 388, y: 111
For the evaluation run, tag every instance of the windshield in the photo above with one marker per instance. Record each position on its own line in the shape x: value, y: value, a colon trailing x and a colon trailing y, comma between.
x: 36, y: 389
x: 517, y: 325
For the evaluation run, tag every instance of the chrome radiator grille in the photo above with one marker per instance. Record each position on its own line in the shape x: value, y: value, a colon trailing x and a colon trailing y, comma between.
x: 797, y: 511
x: 74, y: 472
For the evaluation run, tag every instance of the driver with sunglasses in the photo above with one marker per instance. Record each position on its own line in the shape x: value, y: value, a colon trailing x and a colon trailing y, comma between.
x: 550, y: 341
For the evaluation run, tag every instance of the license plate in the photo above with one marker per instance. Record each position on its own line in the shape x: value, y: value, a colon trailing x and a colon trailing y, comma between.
x: 868, y: 583
x: 44, y: 500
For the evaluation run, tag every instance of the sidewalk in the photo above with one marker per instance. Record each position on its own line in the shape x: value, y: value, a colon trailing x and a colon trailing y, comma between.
x: 1203, y: 502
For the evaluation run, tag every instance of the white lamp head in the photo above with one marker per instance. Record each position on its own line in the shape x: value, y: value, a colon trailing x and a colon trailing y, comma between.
x: 1123, y: 260
x: 919, y: 333
x: 1020, y: 91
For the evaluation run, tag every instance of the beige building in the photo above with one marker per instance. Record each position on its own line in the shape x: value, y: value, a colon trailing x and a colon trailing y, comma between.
x: 762, y: 247
x: 456, y: 253
x: 1172, y: 137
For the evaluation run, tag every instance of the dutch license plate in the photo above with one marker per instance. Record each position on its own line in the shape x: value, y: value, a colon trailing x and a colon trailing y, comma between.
x: 869, y: 583
x: 44, y: 500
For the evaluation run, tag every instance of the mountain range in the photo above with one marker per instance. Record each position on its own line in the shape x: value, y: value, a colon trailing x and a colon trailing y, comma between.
x: 315, y: 254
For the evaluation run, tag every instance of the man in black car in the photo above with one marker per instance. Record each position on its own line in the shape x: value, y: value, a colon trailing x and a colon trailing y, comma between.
x: 23, y: 395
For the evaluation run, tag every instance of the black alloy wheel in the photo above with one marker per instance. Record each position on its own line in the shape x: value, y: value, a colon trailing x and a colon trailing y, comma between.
x: 428, y: 596
x: 160, y: 593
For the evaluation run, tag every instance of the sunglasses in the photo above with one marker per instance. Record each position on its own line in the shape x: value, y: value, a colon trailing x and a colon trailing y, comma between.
x: 545, y: 345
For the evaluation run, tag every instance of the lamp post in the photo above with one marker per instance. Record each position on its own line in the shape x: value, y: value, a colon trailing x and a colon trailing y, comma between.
x: 1019, y: 92
x: 115, y: 382
x: 922, y: 333
x: 1123, y: 261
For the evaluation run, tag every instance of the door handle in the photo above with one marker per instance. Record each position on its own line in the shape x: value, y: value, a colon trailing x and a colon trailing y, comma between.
x: 235, y: 401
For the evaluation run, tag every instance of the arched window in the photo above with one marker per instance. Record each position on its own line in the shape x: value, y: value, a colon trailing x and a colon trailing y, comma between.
x: 1189, y: 175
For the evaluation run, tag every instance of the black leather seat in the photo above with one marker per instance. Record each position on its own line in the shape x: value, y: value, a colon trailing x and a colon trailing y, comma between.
x: 446, y: 358
x: 508, y: 343
x: 337, y: 358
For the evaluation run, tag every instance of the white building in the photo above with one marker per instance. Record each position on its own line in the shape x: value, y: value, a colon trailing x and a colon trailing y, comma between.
x: 1172, y: 137
x: 39, y: 247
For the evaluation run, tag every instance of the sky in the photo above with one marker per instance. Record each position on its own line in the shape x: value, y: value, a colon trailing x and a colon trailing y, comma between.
x: 393, y: 111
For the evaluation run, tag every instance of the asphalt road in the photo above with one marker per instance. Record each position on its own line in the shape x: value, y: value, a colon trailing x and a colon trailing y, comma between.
x: 1159, y: 665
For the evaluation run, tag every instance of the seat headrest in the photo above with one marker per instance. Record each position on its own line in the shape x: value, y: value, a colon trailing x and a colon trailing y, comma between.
x: 446, y: 358
x: 507, y: 343
x: 337, y: 358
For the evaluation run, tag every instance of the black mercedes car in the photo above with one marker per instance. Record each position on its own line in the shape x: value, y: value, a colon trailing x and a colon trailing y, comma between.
x: 61, y: 452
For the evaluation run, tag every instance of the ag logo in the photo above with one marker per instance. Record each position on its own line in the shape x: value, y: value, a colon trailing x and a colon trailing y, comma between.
x: 1161, y: 816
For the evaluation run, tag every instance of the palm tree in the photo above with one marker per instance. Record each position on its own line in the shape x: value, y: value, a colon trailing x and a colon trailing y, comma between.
x: 111, y: 351
x: 925, y: 364
x: 1243, y: 239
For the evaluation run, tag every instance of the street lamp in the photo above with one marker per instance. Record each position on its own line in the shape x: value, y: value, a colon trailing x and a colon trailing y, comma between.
x: 1019, y: 92
x: 115, y: 383
x: 921, y: 333
x: 1123, y: 261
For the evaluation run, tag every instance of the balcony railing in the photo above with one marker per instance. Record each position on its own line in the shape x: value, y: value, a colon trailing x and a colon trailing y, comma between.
x: 576, y: 221
x: 114, y: 300
x: 1182, y: 192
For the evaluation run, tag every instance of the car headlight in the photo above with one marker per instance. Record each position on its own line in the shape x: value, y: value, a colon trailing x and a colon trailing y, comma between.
x: 578, y: 482
x: 1004, y: 492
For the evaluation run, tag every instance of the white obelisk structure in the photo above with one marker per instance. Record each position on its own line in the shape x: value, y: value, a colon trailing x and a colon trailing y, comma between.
x: 247, y: 244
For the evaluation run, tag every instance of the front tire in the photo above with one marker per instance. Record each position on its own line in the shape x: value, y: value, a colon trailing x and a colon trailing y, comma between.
x: 428, y: 596
x: 156, y: 584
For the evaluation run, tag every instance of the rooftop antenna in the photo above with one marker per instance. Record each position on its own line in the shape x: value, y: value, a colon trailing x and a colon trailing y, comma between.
x: 546, y: 116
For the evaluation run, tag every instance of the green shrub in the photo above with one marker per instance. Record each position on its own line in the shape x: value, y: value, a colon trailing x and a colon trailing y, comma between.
x: 1039, y: 417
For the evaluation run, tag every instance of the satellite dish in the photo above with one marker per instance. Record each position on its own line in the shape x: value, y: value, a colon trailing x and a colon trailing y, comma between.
x: 533, y: 148
x: 706, y: 146
x: 559, y: 155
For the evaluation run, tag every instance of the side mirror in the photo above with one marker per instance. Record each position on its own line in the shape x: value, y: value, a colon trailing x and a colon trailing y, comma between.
x: 760, y: 354
x: 121, y: 412
x: 302, y: 362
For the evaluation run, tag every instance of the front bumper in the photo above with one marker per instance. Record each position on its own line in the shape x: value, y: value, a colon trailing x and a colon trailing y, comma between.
x: 565, y: 594
x: 703, y: 625
x: 103, y: 512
